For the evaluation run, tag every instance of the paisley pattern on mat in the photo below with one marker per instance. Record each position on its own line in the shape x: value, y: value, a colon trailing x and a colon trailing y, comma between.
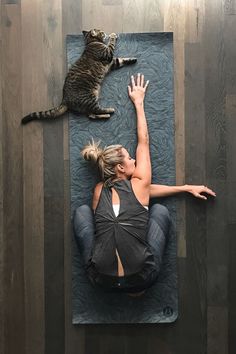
x: 154, y: 52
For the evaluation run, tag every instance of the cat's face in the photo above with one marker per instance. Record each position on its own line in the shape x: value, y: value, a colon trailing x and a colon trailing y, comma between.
x: 94, y: 34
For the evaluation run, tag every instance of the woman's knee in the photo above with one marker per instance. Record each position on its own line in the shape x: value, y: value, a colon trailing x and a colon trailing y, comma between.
x: 82, y: 211
x: 83, y: 215
x: 161, y: 215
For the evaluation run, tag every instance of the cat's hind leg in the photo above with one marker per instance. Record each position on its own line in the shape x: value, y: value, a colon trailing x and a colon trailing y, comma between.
x: 119, y: 62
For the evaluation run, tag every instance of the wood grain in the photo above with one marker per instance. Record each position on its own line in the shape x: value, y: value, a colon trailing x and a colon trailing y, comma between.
x: 1, y: 198
x: 74, y: 335
x: 13, y: 282
x: 231, y: 163
x: 217, y: 330
x: 195, y: 174
x: 195, y: 16
x: 112, y: 2
x: 93, y: 340
x: 142, y: 16
x: 230, y: 53
x: 231, y: 232
x: 53, y: 181
x: 34, y: 96
x: 174, y: 20
x: 216, y: 166
x: 216, y: 176
x: 71, y: 24
x: 205, y: 97
x: 53, y: 74
x: 11, y: 2
x: 54, y: 275
x: 230, y: 110
x: 102, y: 16
x: 230, y: 7
x: 155, y: 340
x: 136, y: 340
x: 195, y: 209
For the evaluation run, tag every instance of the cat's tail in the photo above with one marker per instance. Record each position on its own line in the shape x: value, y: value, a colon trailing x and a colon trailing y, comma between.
x: 48, y: 115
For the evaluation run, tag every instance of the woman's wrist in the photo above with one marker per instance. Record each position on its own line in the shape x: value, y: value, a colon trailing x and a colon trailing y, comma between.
x: 186, y: 188
x: 139, y: 105
x: 183, y: 188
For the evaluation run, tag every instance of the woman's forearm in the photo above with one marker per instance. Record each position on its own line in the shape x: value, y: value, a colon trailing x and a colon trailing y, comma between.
x: 142, y: 129
x: 158, y: 190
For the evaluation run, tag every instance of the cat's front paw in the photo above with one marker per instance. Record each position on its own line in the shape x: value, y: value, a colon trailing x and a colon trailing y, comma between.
x: 113, y: 35
x: 110, y: 110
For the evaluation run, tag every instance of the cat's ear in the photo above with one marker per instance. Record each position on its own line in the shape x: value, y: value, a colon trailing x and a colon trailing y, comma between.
x: 85, y: 33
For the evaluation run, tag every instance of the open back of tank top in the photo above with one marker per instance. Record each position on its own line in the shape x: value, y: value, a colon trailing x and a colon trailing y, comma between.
x: 125, y: 233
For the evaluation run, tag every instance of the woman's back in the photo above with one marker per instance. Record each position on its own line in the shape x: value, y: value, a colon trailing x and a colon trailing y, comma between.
x: 125, y: 233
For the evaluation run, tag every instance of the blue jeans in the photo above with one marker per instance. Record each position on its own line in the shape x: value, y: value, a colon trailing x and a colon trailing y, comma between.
x: 157, y: 237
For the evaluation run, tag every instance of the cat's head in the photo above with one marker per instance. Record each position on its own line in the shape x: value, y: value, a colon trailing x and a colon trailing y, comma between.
x: 94, y: 35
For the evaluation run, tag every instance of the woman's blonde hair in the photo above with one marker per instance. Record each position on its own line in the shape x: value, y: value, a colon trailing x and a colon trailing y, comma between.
x: 106, y: 158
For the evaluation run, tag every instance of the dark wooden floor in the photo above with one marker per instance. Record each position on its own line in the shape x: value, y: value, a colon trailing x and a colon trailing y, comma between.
x: 35, y: 254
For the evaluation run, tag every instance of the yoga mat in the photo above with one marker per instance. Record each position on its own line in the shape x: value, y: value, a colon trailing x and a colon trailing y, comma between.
x: 154, y: 53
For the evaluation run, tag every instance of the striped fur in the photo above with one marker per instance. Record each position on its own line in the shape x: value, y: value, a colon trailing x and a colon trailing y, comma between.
x: 83, y: 81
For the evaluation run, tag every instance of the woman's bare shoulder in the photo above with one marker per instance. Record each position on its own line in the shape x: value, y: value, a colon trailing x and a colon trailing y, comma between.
x: 96, y: 194
x: 98, y: 187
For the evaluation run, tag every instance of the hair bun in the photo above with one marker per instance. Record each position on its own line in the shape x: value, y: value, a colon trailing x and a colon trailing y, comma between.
x: 92, y: 151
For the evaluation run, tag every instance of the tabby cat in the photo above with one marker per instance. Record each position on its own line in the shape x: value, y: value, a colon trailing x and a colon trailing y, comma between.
x: 83, y: 81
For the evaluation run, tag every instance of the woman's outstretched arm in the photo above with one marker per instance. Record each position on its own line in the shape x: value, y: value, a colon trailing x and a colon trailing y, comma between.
x: 137, y: 91
x: 158, y: 190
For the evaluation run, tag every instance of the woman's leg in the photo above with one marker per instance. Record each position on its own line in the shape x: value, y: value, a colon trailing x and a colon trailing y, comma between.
x: 84, y: 230
x: 158, y: 231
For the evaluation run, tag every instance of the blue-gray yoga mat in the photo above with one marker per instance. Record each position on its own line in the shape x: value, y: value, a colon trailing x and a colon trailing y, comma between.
x: 154, y: 52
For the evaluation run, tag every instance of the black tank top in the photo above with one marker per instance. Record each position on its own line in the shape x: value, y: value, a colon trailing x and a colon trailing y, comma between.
x: 125, y: 232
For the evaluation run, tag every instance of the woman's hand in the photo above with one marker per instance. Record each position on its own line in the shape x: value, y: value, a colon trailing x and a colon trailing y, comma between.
x: 137, y: 89
x: 197, y: 191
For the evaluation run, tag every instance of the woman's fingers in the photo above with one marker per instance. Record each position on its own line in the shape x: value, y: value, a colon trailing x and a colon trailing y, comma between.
x: 201, y: 196
x: 146, y: 85
x: 138, y: 82
x: 138, y: 79
x: 142, y: 80
x: 132, y: 81
x: 198, y: 190
x: 209, y: 191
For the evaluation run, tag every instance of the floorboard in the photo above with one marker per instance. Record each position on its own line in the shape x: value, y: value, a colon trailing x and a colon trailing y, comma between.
x: 195, y: 209
x: 216, y: 174
x: 12, y: 193
x: 1, y: 201
x: 33, y: 97
x: 54, y: 275
x: 232, y: 290
x: 35, y: 233
x: 174, y: 20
